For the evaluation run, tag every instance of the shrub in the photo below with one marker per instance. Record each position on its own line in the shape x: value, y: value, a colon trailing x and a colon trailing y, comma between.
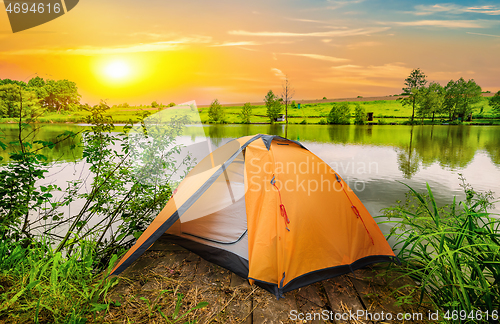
x: 216, y: 113
x: 339, y: 114
x: 274, y: 106
x: 246, y: 113
x: 359, y: 115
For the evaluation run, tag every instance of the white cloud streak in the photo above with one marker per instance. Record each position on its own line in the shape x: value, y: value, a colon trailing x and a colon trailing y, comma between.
x: 318, y: 57
x: 332, y: 33
x: 455, y: 9
x: 489, y: 35
x: 247, y: 43
x: 132, y: 48
x: 440, y: 23
x: 278, y: 73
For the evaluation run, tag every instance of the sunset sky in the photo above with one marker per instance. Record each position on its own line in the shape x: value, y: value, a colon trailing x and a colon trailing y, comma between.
x: 235, y: 51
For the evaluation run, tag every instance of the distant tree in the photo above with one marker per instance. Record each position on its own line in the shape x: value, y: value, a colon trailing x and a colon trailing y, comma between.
x: 430, y: 100
x: 287, y: 94
x: 495, y: 102
x: 324, y: 98
x: 36, y: 82
x: 154, y: 104
x: 413, y: 83
x: 246, y: 113
x: 61, y: 95
x: 359, y: 114
x: 340, y: 114
x: 461, y: 97
x: 216, y: 112
x: 293, y: 104
x: 172, y: 104
x: 9, y: 81
x: 17, y: 102
x: 273, y: 106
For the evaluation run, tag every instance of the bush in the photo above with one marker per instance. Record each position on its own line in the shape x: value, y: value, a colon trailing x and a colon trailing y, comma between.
x: 323, y: 121
x: 216, y: 113
x: 359, y: 115
x: 339, y: 114
x: 246, y: 113
x: 274, y: 106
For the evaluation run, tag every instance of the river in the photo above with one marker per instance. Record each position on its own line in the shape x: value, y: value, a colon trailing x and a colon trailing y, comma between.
x: 373, y: 160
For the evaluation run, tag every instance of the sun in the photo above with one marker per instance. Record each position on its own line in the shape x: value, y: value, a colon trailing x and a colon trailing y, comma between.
x: 117, y: 70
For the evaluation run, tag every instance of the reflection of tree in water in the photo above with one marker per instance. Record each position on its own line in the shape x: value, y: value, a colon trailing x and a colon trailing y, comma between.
x: 451, y: 146
x: 66, y: 148
x: 456, y: 147
x: 361, y: 132
x: 339, y: 133
x: 493, y: 148
x: 409, y: 159
x: 276, y: 129
x: 216, y: 134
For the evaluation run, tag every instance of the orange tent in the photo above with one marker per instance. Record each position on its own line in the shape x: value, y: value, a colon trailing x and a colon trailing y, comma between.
x: 271, y: 211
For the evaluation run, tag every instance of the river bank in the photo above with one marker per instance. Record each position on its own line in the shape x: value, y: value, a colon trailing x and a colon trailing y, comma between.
x: 385, y: 110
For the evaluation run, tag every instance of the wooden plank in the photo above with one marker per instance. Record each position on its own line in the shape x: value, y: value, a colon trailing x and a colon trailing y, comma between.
x: 312, y: 294
x: 270, y: 310
x: 342, y: 295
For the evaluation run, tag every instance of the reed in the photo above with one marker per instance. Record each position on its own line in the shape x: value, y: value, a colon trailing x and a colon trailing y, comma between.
x: 452, y: 252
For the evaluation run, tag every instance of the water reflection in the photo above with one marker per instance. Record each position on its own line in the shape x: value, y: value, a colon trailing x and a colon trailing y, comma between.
x: 453, y: 147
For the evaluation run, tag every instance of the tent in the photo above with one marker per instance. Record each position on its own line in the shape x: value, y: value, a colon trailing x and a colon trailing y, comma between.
x: 271, y: 211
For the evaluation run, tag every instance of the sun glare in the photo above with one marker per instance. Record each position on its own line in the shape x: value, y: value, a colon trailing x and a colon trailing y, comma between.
x: 117, y: 70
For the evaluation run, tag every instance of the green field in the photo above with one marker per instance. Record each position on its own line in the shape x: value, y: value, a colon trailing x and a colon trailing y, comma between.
x: 385, y: 111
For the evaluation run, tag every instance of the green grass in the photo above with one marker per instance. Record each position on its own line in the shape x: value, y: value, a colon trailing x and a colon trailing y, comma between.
x: 390, y: 111
x: 452, y: 252
x: 40, y: 286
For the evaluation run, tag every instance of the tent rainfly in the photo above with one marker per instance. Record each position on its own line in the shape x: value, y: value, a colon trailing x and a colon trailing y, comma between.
x: 272, y: 212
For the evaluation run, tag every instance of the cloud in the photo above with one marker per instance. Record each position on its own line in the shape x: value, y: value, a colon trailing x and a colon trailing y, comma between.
x: 318, y: 57
x: 249, y: 43
x: 337, y: 4
x: 332, y: 33
x: 441, y: 23
x: 483, y: 34
x: 132, y: 48
x: 396, y: 70
x: 278, y: 73
x: 455, y: 9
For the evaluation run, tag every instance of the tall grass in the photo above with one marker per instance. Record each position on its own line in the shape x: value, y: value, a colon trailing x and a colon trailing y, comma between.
x: 38, y: 285
x: 452, y: 252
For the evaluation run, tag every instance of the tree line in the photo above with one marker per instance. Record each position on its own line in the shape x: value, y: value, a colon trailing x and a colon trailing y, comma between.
x: 37, y: 96
x: 457, y: 99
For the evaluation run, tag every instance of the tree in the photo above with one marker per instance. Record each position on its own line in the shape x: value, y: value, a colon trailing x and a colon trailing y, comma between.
x: 61, y: 95
x: 460, y: 97
x: 154, y: 104
x: 430, y: 100
x: 359, y: 114
x: 17, y: 102
x: 246, y: 113
x: 287, y: 95
x: 495, y: 102
x: 340, y: 114
x: 216, y: 112
x: 413, y: 83
x: 273, y: 106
